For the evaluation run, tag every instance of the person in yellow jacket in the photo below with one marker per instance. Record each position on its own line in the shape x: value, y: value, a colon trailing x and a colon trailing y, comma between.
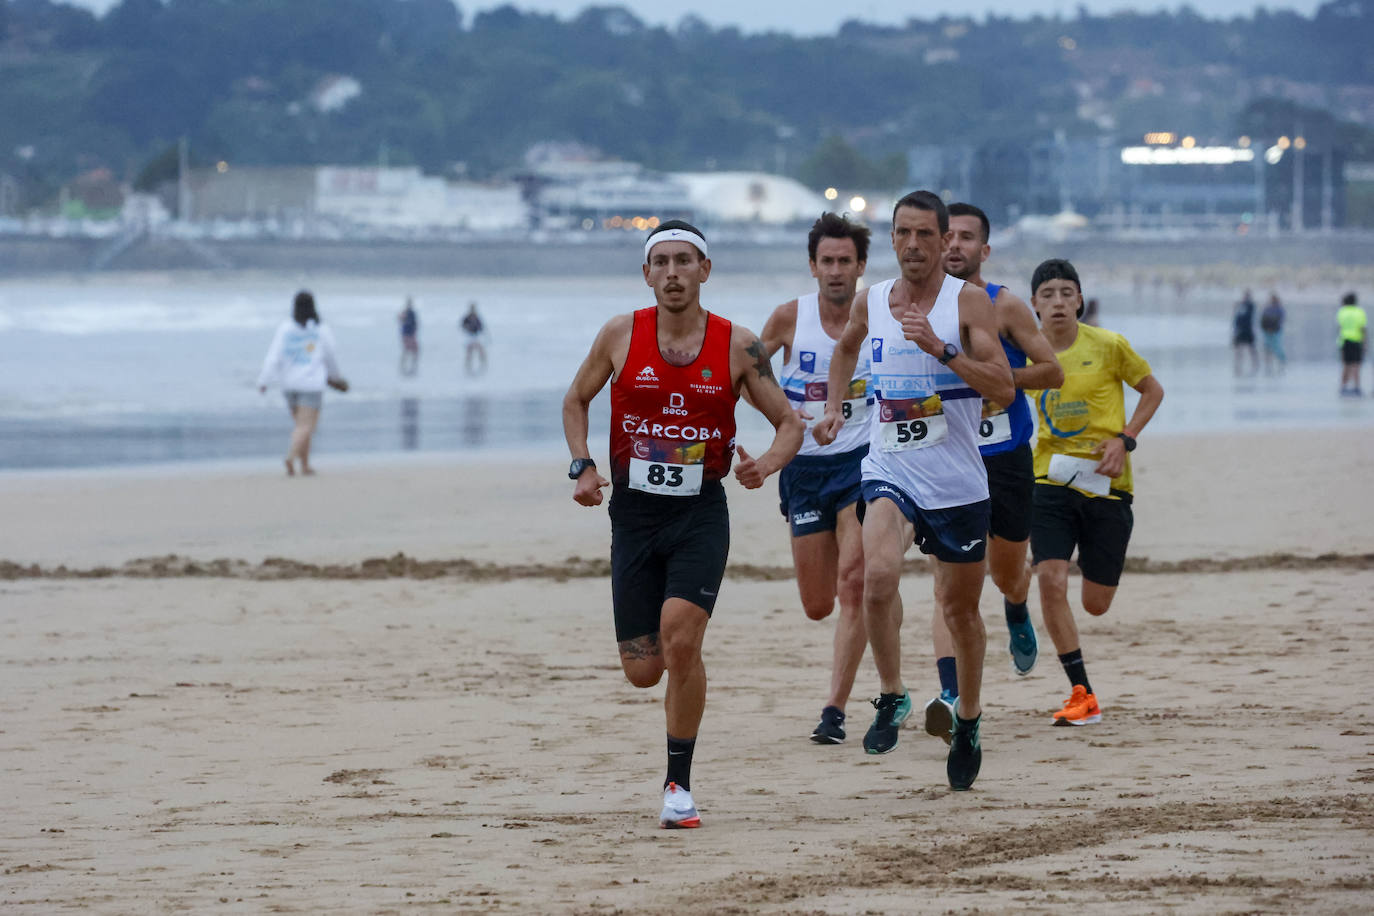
x: 1083, y: 489
x: 1352, y: 321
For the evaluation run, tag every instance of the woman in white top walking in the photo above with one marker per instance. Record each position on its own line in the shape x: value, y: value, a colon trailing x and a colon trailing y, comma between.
x: 302, y: 361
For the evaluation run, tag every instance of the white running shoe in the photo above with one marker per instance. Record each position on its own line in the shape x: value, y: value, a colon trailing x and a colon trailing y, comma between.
x: 678, y: 808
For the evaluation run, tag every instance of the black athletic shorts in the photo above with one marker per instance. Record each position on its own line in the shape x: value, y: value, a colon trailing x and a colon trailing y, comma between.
x: 1011, y: 478
x: 1352, y: 351
x: 1100, y: 528
x: 665, y: 547
x: 812, y: 489
x: 958, y: 534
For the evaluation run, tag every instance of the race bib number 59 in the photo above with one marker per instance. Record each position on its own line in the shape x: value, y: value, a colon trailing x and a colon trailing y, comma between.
x: 909, y: 424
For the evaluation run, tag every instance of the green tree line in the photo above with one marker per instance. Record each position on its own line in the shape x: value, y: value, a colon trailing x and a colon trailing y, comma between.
x: 236, y: 78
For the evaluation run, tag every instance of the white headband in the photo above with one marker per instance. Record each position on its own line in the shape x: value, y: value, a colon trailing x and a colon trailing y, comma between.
x: 675, y: 235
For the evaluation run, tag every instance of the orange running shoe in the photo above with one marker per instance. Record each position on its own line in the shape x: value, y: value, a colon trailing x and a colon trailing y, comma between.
x: 1079, y: 709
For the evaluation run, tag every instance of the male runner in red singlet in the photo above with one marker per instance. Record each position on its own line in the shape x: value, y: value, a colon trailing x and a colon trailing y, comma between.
x: 676, y: 372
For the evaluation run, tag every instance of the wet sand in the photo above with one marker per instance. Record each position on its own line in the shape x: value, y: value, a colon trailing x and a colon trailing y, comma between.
x: 226, y: 690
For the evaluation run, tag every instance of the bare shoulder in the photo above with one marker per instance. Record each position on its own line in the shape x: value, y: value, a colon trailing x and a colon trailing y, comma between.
x: 784, y: 314
x: 780, y: 327
x: 743, y: 340
x: 1012, y: 311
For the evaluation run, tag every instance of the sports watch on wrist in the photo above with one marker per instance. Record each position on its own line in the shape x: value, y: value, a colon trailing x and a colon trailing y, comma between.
x: 1128, y: 440
x: 578, y: 466
x: 951, y: 351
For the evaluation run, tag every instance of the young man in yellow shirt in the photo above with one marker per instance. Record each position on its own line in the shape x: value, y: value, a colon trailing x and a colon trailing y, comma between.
x: 1083, y: 490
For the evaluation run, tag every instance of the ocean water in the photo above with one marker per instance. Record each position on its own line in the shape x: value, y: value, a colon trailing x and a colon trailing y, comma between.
x: 148, y: 369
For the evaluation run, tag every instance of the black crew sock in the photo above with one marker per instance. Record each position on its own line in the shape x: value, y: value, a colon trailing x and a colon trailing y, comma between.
x: 1075, y: 669
x: 680, y: 762
x: 949, y: 674
x: 1016, y: 613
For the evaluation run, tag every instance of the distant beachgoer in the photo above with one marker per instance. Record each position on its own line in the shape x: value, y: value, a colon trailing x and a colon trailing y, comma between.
x: 410, y: 338
x: 1352, y: 321
x: 1090, y: 313
x: 1243, y: 333
x: 302, y: 361
x: 476, y: 353
x: 1271, y: 324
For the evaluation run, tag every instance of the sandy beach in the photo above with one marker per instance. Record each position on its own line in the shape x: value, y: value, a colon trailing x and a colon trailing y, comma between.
x: 387, y: 688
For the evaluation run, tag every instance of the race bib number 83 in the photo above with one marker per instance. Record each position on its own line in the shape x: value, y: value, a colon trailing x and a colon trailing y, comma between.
x: 665, y: 479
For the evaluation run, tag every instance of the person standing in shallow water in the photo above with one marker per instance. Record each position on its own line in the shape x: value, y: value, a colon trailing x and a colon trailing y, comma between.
x: 475, y: 357
x: 410, y: 338
x: 302, y: 360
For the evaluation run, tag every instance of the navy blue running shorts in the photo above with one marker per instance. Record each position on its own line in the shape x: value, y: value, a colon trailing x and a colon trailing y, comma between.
x: 665, y: 547
x: 958, y: 534
x: 812, y: 489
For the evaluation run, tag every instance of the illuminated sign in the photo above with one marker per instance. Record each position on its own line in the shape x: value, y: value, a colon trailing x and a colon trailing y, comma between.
x: 1197, y: 155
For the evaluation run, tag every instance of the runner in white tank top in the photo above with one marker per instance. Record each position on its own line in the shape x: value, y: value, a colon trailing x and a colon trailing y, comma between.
x: 924, y: 437
x: 819, y: 490
x: 935, y: 352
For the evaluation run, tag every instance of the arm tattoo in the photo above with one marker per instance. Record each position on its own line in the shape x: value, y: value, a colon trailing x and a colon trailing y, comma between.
x: 762, y: 365
x: 640, y: 647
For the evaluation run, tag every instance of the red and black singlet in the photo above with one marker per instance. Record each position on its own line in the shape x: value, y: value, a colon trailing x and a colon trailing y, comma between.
x: 672, y: 427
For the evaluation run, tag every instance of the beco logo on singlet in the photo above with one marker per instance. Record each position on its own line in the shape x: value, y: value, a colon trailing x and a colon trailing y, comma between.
x: 677, y: 405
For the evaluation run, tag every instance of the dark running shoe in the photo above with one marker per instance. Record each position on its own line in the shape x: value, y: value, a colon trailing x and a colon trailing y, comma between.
x: 965, y: 754
x: 831, y: 729
x: 940, y: 716
x: 1023, y: 646
x: 893, y: 708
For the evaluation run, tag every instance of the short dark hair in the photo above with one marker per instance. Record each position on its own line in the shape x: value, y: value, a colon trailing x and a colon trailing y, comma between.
x: 1349, y: 299
x: 925, y: 200
x: 1054, y: 269
x: 303, y: 308
x: 963, y: 209
x: 834, y: 226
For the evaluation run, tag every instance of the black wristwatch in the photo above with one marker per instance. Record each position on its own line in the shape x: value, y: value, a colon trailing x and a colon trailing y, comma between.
x: 578, y: 466
x: 1129, y: 440
x: 951, y: 351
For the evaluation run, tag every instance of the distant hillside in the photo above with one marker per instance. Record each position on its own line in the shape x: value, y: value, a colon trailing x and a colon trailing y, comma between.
x: 415, y: 82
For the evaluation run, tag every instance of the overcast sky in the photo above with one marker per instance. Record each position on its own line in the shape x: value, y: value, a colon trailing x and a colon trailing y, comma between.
x: 820, y: 17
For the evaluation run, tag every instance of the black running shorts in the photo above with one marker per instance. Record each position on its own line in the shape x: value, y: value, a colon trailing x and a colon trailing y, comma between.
x: 665, y: 547
x: 1011, y: 478
x: 1100, y: 528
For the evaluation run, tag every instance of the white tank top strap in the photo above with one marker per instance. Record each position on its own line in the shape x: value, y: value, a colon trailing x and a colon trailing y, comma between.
x: 805, y: 381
